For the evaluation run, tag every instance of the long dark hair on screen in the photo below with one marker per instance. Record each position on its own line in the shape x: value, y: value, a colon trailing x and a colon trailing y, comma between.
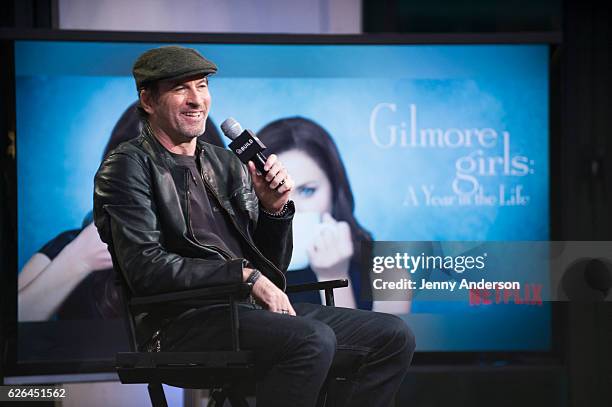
x: 298, y: 133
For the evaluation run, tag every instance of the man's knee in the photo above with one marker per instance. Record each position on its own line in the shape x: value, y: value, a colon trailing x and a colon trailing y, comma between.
x: 406, y: 337
x: 322, y: 339
x: 400, y: 339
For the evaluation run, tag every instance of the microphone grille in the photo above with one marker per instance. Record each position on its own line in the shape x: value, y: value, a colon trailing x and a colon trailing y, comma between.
x: 231, y: 128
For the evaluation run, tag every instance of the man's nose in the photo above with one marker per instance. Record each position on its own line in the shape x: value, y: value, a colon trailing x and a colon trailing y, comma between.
x: 195, y: 98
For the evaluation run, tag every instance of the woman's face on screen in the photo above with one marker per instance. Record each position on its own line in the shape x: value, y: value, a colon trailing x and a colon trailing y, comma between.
x: 312, y: 192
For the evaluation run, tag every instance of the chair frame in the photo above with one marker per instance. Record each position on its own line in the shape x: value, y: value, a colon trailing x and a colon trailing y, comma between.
x: 213, y: 369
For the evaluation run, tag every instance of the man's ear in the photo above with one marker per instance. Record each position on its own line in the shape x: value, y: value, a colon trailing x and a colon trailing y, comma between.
x: 146, y: 101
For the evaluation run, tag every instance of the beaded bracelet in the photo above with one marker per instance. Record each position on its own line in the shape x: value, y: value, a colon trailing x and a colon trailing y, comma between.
x: 278, y: 214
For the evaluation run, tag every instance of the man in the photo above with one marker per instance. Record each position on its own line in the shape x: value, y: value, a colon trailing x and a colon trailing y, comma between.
x: 182, y: 214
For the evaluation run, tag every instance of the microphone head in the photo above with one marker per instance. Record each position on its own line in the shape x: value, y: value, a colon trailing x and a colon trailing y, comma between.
x: 231, y: 128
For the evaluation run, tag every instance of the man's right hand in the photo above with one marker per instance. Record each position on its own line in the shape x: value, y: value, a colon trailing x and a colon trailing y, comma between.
x: 269, y: 295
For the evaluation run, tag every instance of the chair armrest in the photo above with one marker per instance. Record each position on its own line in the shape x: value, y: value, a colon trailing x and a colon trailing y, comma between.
x: 238, y: 291
x: 328, y: 286
x: 318, y: 286
x: 230, y: 292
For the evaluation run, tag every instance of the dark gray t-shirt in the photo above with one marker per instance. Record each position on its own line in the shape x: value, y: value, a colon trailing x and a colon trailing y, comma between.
x: 210, y: 223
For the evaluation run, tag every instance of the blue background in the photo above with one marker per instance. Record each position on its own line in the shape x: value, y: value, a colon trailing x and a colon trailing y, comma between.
x: 70, y: 95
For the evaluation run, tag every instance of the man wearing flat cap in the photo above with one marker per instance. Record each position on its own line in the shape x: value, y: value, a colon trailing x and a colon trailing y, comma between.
x: 180, y: 214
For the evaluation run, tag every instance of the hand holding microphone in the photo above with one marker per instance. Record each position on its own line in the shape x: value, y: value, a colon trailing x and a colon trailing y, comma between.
x: 272, y: 183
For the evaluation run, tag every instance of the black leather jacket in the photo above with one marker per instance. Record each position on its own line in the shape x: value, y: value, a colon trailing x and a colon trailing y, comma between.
x: 141, y: 210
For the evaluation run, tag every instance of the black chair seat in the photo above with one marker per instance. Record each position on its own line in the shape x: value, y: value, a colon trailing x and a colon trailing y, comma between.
x: 185, y: 369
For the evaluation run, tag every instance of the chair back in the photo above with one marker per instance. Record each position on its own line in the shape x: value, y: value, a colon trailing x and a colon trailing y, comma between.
x: 124, y: 296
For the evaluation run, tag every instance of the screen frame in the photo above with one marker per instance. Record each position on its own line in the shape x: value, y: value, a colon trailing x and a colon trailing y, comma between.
x: 10, y: 366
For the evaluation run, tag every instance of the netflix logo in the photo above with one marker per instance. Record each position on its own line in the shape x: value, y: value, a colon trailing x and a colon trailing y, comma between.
x: 529, y: 294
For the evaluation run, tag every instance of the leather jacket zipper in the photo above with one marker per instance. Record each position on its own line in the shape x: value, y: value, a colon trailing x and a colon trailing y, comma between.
x: 189, y: 226
x: 213, y: 193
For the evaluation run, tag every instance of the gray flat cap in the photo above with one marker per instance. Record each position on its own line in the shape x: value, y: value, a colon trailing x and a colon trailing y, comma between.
x: 170, y: 62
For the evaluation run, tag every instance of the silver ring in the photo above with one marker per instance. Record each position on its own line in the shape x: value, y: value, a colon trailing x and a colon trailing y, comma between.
x: 280, y: 184
x: 284, y: 311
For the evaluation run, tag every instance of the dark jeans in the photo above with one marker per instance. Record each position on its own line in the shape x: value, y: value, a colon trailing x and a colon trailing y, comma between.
x: 294, y: 354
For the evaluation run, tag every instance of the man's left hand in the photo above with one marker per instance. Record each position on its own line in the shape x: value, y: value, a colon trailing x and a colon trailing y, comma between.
x: 274, y: 188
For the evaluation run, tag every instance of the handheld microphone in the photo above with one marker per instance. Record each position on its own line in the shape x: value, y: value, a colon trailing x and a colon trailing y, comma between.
x: 245, y: 144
